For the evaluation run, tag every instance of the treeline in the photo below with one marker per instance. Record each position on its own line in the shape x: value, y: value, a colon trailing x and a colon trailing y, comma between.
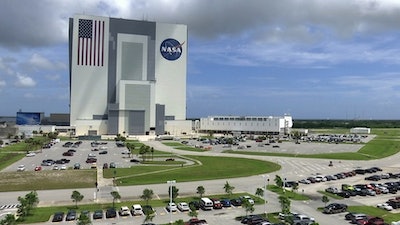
x: 329, y: 124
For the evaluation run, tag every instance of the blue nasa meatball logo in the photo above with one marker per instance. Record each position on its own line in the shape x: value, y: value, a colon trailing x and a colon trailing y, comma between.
x: 171, y: 49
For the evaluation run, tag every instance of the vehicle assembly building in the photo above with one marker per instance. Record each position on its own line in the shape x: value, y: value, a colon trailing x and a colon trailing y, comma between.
x: 126, y: 76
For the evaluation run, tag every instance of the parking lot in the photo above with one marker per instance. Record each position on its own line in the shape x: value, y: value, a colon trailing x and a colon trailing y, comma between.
x: 80, y: 155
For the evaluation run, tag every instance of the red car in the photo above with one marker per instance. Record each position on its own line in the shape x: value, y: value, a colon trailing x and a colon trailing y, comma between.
x: 38, y: 168
x: 216, y: 203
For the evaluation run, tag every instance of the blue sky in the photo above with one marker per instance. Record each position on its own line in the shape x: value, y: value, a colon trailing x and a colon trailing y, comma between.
x: 312, y: 59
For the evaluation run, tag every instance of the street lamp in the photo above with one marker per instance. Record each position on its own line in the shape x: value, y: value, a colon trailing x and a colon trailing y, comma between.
x: 170, y: 182
x: 266, y: 178
x: 284, y: 186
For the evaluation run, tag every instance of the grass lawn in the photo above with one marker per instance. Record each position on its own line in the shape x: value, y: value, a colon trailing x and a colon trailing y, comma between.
x: 293, y: 195
x: 43, y: 180
x: 210, y: 168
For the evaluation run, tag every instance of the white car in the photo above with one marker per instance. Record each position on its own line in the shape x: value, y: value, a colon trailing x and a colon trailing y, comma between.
x: 183, y: 206
x: 21, y: 168
x: 124, y: 211
x: 385, y: 206
x: 171, y: 207
x: 63, y: 167
x: 248, y: 198
x: 30, y: 154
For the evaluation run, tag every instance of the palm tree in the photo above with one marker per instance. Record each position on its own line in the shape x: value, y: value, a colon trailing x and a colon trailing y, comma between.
x: 228, y: 188
x: 83, y: 220
x: 76, y: 197
x: 278, y: 181
x: 260, y: 192
x: 115, y: 196
x: 285, y: 204
x: 147, y: 195
x: 201, y: 191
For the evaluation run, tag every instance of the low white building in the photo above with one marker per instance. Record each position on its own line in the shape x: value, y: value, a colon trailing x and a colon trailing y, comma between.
x: 360, y: 130
x: 247, y: 124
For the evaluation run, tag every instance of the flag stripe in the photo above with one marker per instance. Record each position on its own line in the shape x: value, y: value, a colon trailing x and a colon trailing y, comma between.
x: 90, y: 43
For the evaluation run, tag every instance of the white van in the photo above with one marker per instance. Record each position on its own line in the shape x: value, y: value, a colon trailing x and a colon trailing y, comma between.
x: 206, y: 204
x: 136, y: 210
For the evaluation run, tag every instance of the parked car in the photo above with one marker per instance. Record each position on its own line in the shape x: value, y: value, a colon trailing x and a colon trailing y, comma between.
x: 30, y: 154
x: 236, y: 202
x: 216, y: 203
x: 385, y: 206
x: 335, y: 208
x: 247, y: 198
x: 171, y: 207
x: 113, y: 165
x: 91, y: 160
x: 68, y: 154
x: 98, y: 214
x: 225, y: 203
x: 21, y: 168
x: 71, y: 215
x: 58, y: 217
x: 332, y: 190
x: 111, y: 213
x: 183, y: 206
x: 103, y: 153
x: 124, y: 211
x: 38, y: 168
x: 194, y: 205
x: 148, y: 210
x: 136, y: 210
x: 77, y: 166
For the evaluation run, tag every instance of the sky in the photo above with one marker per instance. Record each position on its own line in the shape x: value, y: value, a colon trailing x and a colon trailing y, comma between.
x: 311, y: 59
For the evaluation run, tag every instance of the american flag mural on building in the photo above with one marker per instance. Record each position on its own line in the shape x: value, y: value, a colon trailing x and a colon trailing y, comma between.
x: 90, y: 42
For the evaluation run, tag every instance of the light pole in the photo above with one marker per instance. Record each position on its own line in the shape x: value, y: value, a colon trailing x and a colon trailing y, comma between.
x: 265, y: 178
x: 284, y: 186
x: 170, y: 182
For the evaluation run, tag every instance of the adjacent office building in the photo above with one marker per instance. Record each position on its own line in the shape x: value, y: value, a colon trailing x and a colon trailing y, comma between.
x: 126, y: 76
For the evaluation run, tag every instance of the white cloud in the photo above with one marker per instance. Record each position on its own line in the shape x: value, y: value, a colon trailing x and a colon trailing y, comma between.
x: 2, y: 83
x: 40, y: 62
x: 24, y: 81
x: 53, y: 77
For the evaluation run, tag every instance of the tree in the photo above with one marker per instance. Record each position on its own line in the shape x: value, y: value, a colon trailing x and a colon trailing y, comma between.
x: 179, y: 222
x: 9, y: 219
x: 248, y: 207
x: 278, y: 181
x: 131, y: 147
x: 201, y: 190
x: 228, y: 188
x: 27, y: 203
x: 142, y: 152
x: 115, y: 196
x: 193, y: 212
x: 147, y: 195
x: 76, y: 197
x: 285, y: 204
x: 149, y: 216
x: 325, y: 199
x: 83, y: 220
x: 260, y: 192
x: 174, y: 192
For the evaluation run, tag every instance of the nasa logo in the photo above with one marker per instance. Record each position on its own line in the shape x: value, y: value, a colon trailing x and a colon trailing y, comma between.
x: 171, y: 49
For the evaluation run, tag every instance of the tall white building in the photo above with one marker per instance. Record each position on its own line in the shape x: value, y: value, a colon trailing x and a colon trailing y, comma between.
x: 126, y: 76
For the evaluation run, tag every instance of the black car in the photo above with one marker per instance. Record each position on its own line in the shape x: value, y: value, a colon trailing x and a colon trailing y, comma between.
x: 344, y: 194
x: 195, y: 205
x: 103, y: 152
x: 335, y: 208
x: 373, y: 177
x: 236, y: 202
x: 98, y: 214
x: 58, y: 217
x: 71, y: 215
x: 111, y: 213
